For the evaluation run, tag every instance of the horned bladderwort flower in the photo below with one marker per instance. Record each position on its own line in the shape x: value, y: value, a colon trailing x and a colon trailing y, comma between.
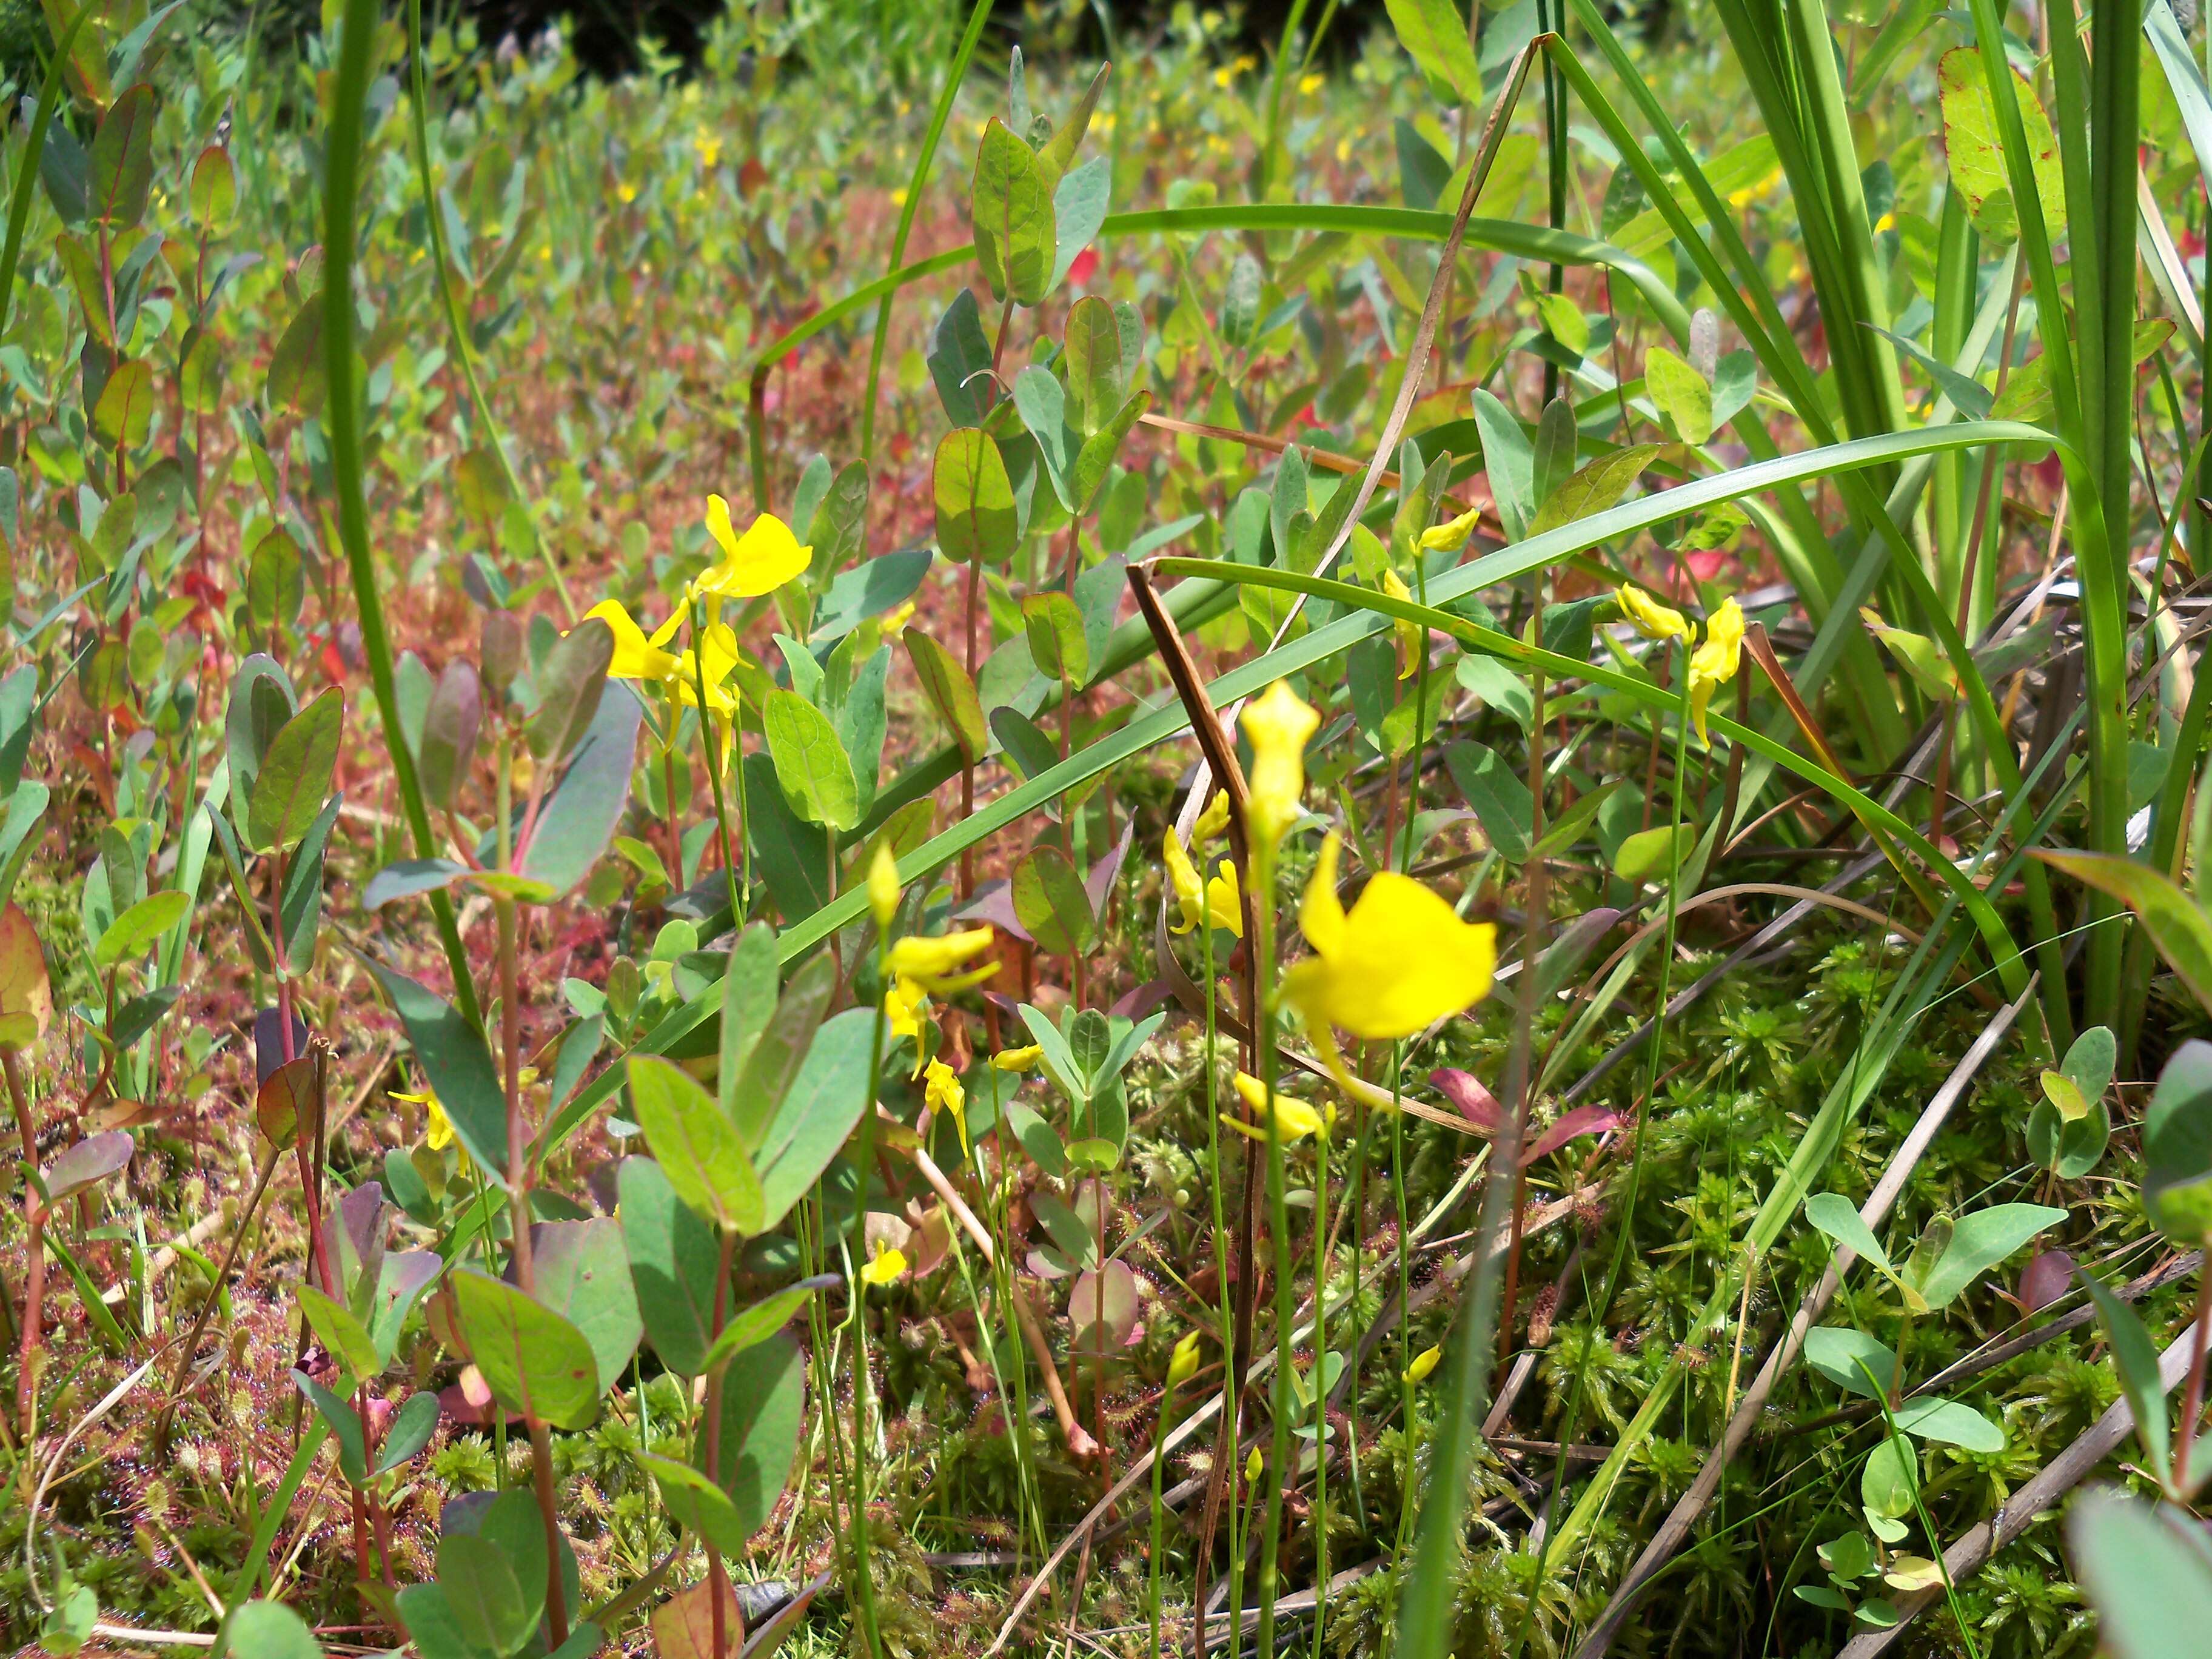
x: 1281, y: 1117
x: 1424, y: 1362
x: 1183, y: 1364
x: 943, y: 1094
x: 1279, y: 724
x: 1714, y: 663
x: 1214, y: 902
x: 1400, y: 960
x: 1653, y: 620
x: 916, y: 969
x: 1017, y: 1059
x: 884, y: 1267
x: 759, y: 562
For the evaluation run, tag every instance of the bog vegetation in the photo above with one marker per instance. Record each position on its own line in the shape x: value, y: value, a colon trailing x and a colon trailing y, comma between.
x: 1390, y: 846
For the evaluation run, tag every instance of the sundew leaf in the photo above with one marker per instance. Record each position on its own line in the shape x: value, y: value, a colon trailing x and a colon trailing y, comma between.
x: 1971, y: 143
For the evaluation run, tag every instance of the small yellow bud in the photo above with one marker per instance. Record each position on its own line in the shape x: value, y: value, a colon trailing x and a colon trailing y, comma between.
x: 1424, y: 1362
x: 883, y: 886
x: 1183, y: 1364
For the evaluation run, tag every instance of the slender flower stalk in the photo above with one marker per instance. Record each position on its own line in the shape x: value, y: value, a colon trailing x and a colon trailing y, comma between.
x: 1182, y: 1367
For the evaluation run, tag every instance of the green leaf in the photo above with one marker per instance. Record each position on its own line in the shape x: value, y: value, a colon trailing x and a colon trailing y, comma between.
x: 583, y: 1274
x: 1950, y: 1424
x: 452, y: 1054
x: 122, y: 160
x: 340, y: 1418
x: 1050, y: 901
x: 1501, y: 801
x: 1845, y: 1356
x: 755, y: 1095
x: 1436, y: 37
x: 950, y: 691
x: 674, y: 1265
x: 1655, y: 854
x: 294, y: 381
x: 2175, y: 922
x: 265, y: 1630
x: 1079, y: 201
x: 1016, y: 236
x: 1594, y: 487
x: 2177, y: 1142
x: 571, y: 683
x: 534, y: 1361
x: 579, y: 817
x: 818, y: 1111
x: 214, y: 189
x: 1971, y: 142
x: 763, y: 1404
x: 295, y: 780
x: 748, y: 1003
x: 2065, y: 1096
x: 1891, y: 1477
x: 976, y: 517
x: 697, y: 1147
x: 343, y: 1336
x: 810, y: 762
x: 2147, y: 1571
x: 491, y: 1608
x: 123, y: 416
x: 1979, y: 1242
x: 1056, y: 640
x: 410, y: 1431
x: 1683, y: 397
x: 137, y: 928
x: 1097, y: 377
x: 699, y: 1505
x: 750, y: 1326
x: 1838, y: 1217
x: 2090, y: 1059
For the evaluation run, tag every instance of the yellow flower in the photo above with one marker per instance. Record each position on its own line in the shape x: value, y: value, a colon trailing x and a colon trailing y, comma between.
x: 1411, y: 636
x: 1400, y: 960
x: 942, y: 1094
x: 1288, y: 1120
x: 1424, y: 1362
x: 1212, y: 821
x: 894, y: 621
x: 1653, y: 620
x: 1278, y: 722
x: 936, y: 962
x: 1714, y: 663
x: 1017, y: 1060
x: 627, y: 192
x: 1216, y: 905
x: 1183, y: 1364
x: 902, y: 1007
x: 1311, y: 83
x: 709, y: 147
x: 883, y: 1267
x: 883, y: 886
x: 437, y: 1134
x: 1452, y: 534
x: 761, y: 561
x: 637, y: 657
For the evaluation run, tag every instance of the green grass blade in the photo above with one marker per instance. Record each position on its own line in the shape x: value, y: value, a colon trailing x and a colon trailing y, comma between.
x: 977, y: 18
x: 342, y: 184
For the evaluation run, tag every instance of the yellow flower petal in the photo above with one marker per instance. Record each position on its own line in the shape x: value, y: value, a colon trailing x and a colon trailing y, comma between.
x: 935, y: 960
x: 1212, y: 821
x: 1452, y: 534
x: 1320, y: 913
x: 1424, y: 1362
x: 1182, y: 878
x: 761, y: 561
x: 1290, y: 1120
x: 1279, y: 724
x: 1223, y: 905
x: 1401, y: 961
x: 1411, y: 636
x: 636, y: 657
x: 1017, y: 1060
x: 942, y: 1093
x: 1715, y: 662
x: 1653, y: 620
x: 886, y: 1267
